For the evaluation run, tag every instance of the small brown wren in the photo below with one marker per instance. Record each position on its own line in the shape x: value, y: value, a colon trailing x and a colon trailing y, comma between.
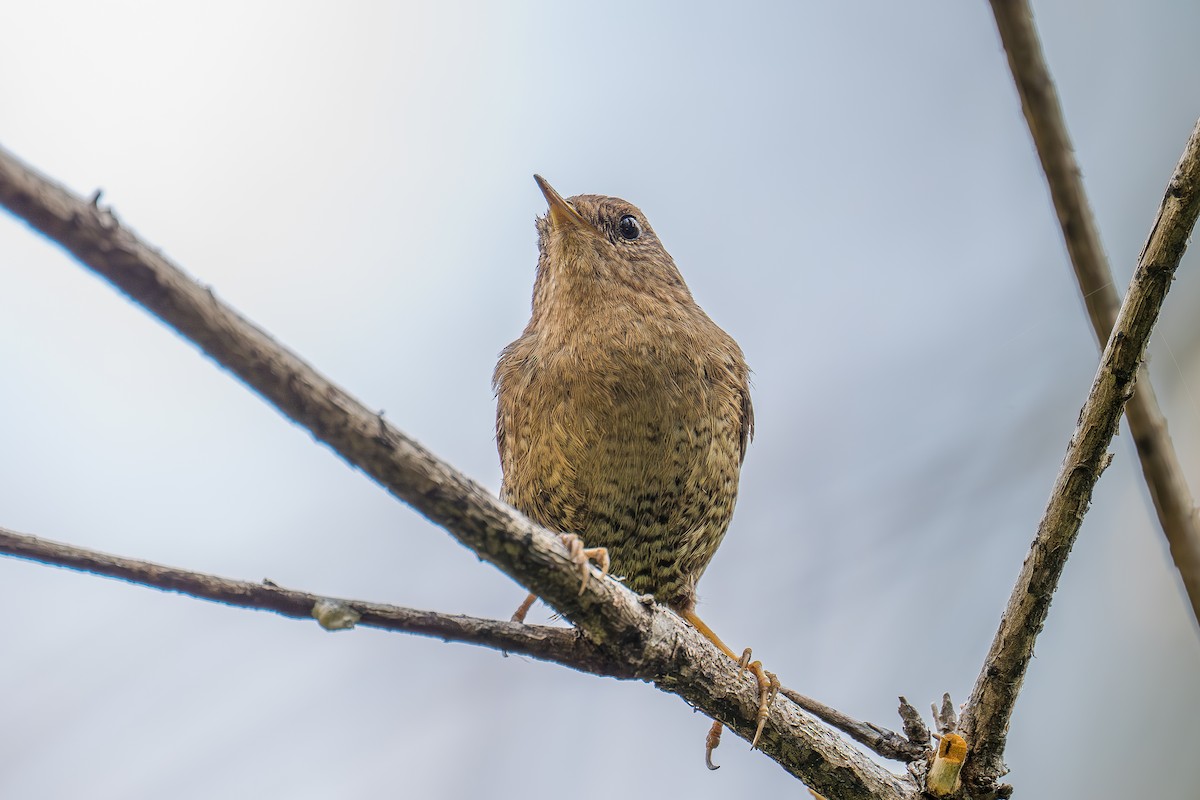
x: 623, y: 411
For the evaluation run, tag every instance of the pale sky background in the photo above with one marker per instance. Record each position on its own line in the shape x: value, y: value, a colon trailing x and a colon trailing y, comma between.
x: 849, y: 189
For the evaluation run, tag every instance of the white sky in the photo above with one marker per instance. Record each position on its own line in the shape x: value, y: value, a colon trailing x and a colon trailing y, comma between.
x: 849, y: 190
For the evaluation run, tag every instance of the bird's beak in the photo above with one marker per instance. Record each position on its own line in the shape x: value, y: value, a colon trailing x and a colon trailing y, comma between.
x: 563, y: 216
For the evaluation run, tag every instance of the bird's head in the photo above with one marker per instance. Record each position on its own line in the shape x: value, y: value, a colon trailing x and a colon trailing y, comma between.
x: 606, y: 242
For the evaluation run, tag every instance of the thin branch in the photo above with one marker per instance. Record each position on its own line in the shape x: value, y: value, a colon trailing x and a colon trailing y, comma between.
x: 985, y: 722
x: 1160, y: 466
x: 652, y: 640
x: 564, y: 646
x: 543, y: 642
x: 886, y: 743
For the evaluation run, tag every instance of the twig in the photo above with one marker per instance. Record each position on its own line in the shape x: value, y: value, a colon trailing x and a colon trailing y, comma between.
x: 653, y: 641
x: 559, y: 645
x: 1160, y: 466
x: 985, y: 721
x: 914, y: 726
x: 886, y: 743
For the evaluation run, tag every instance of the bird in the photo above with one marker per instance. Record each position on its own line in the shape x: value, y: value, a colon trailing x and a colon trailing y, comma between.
x: 623, y: 412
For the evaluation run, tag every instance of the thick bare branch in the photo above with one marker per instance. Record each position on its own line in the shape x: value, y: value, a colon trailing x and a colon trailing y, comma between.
x: 1160, y: 465
x: 985, y: 722
x: 654, y: 642
x: 560, y: 645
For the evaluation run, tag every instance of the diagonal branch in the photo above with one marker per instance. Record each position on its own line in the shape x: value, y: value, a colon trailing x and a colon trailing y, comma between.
x: 653, y: 641
x: 1160, y: 465
x: 560, y: 645
x: 985, y: 722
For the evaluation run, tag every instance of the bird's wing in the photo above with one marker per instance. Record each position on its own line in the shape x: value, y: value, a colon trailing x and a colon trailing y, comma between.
x: 747, y: 432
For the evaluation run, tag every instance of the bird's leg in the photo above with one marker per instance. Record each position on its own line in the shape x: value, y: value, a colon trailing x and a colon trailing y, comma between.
x: 523, y: 609
x: 581, y: 556
x: 768, y: 685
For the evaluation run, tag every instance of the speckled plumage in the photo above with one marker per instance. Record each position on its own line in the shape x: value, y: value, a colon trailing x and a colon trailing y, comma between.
x: 623, y: 411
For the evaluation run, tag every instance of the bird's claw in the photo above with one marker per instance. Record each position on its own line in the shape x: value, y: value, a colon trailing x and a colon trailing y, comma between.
x: 582, y: 556
x: 712, y: 742
x: 768, y: 690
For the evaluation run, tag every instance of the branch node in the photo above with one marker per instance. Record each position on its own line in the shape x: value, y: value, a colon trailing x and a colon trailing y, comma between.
x: 334, y: 616
x: 384, y: 437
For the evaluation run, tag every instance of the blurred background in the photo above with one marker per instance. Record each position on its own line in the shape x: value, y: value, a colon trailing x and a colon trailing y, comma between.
x: 849, y: 189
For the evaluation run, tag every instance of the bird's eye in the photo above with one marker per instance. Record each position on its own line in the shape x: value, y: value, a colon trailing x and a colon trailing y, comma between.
x: 628, y: 227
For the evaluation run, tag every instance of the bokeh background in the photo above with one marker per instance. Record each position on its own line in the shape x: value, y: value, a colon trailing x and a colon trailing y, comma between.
x: 849, y: 189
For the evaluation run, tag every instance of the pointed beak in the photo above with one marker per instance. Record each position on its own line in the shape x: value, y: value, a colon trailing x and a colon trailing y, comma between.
x: 563, y: 216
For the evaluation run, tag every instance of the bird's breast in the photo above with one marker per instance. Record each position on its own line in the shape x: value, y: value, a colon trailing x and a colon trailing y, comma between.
x: 628, y: 434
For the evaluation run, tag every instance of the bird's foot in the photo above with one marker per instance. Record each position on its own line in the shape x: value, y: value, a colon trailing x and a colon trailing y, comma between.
x: 768, y: 685
x: 582, y: 557
x: 768, y: 690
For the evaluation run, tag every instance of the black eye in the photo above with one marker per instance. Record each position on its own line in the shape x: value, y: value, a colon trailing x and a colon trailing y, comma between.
x: 628, y: 227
